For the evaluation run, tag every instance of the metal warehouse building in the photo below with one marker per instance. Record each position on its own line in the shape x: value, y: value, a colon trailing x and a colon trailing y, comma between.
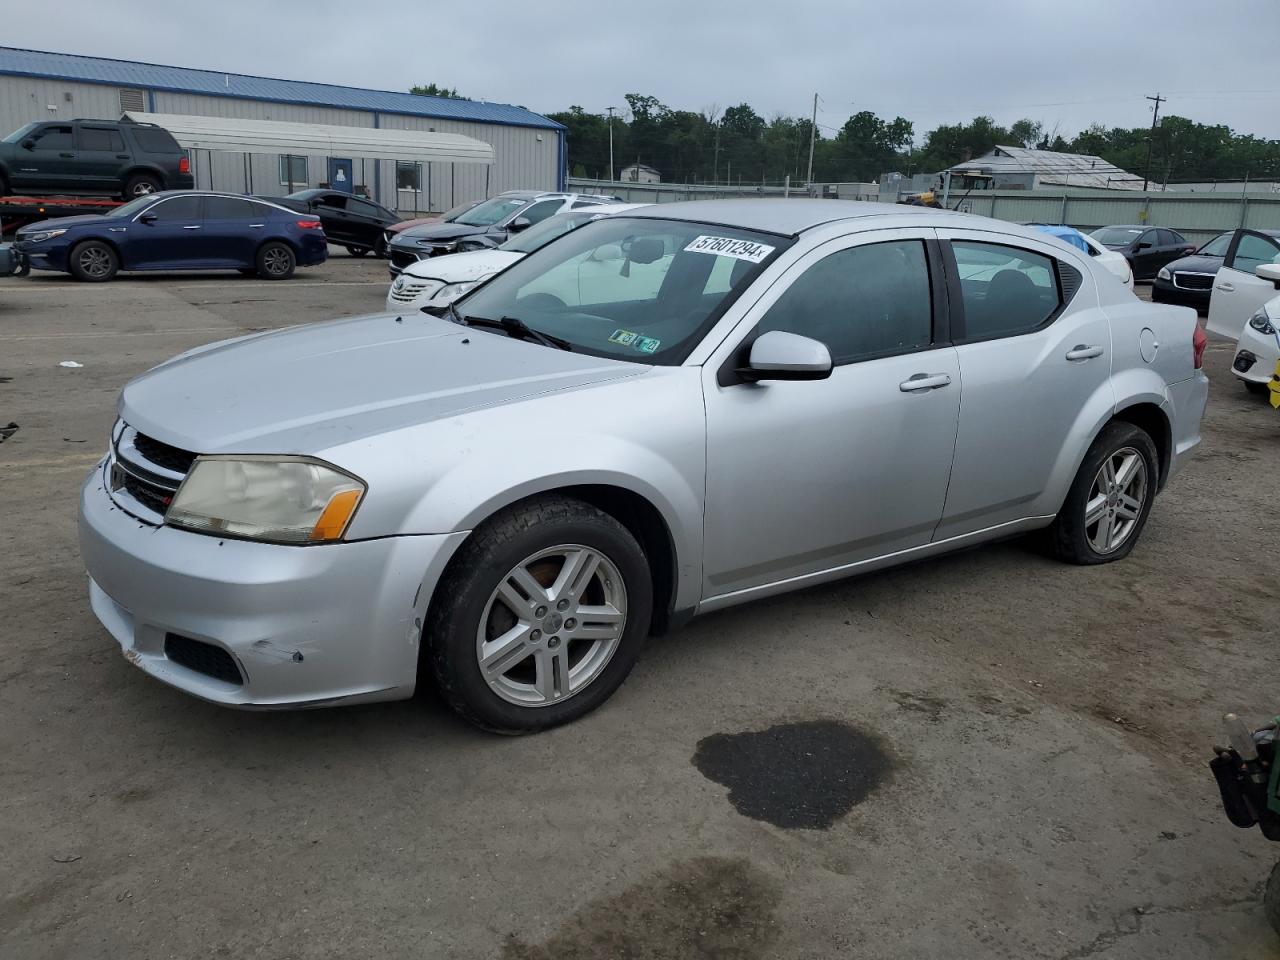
x: 528, y: 149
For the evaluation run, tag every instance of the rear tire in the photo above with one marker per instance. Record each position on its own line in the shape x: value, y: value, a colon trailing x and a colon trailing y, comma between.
x: 140, y: 185
x: 93, y: 261
x: 1271, y: 899
x: 276, y: 261
x: 358, y: 251
x: 1110, y: 498
x: 572, y: 644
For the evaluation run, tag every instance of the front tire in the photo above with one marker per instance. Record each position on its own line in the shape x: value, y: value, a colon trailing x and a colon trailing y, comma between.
x: 93, y: 261
x: 1110, y: 498
x: 540, y: 616
x: 276, y: 261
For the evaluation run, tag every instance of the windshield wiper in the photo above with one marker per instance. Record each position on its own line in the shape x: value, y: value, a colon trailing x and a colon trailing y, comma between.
x: 517, y: 329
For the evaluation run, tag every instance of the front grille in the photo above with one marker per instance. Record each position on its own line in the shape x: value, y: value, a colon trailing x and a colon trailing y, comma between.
x: 402, y: 259
x: 202, y: 657
x: 151, y: 496
x: 1193, y: 281
x: 162, y: 454
x: 410, y: 290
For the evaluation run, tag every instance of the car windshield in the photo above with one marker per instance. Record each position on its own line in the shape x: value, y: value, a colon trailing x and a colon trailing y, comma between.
x: 641, y: 290
x: 19, y: 134
x: 1217, y: 247
x: 455, y: 212
x: 133, y: 207
x: 1116, y: 235
x: 490, y: 212
x: 543, y: 233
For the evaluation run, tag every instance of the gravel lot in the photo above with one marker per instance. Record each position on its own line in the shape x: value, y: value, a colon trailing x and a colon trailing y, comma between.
x: 1029, y: 740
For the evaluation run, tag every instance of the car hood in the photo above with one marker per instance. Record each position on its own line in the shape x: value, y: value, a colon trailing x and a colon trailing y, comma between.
x: 456, y: 267
x: 404, y: 225
x: 1196, y: 263
x: 58, y: 223
x: 306, y: 389
x: 438, y: 231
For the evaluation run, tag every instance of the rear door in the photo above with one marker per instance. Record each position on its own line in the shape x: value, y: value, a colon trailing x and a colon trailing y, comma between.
x: 49, y: 164
x: 1237, y: 291
x: 101, y: 155
x: 365, y: 221
x: 233, y: 229
x: 168, y: 234
x: 1033, y: 357
x: 1146, y: 255
x: 332, y: 210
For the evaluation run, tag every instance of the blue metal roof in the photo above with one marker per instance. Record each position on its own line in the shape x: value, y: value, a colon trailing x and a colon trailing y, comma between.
x: 215, y: 83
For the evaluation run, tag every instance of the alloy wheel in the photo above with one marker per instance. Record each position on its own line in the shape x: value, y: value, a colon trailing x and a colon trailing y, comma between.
x: 276, y: 261
x: 95, y: 262
x: 551, y: 625
x: 1116, y: 499
x: 143, y: 187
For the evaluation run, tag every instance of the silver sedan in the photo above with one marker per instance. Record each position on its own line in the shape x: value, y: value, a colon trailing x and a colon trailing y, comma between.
x: 660, y: 414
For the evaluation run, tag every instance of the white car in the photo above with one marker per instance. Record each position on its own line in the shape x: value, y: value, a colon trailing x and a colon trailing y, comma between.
x: 1244, y: 306
x: 437, y: 281
x: 1110, y: 260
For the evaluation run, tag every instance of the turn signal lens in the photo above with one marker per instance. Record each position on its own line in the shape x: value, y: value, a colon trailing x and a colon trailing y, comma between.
x: 336, y: 515
x: 1198, y: 342
x: 184, y: 165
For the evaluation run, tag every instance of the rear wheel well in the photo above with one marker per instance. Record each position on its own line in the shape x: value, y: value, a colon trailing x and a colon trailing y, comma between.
x: 1151, y: 419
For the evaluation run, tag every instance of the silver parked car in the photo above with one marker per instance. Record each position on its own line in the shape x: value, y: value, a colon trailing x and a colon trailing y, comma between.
x: 507, y: 497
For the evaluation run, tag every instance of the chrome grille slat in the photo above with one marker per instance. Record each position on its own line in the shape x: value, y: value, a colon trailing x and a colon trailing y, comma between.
x: 140, y: 484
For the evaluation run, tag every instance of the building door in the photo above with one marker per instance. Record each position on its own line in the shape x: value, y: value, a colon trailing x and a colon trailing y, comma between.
x: 340, y: 174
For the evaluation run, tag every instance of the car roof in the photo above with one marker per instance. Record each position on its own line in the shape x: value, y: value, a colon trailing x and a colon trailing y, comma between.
x: 783, y: 216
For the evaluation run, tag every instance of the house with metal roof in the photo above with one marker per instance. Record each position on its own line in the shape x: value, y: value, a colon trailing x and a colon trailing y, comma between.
x: 1018, y: 168
x: 526, y: 149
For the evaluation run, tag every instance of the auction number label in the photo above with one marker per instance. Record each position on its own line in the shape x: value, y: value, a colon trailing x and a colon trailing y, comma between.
x: 747, y: 250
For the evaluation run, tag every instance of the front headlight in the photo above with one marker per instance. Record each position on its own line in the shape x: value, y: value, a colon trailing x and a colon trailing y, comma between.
x: 452, y: 291
x: 42, y: 235
x: 1164, y: 274
x: 1262, y: 323
x: 278, y: 499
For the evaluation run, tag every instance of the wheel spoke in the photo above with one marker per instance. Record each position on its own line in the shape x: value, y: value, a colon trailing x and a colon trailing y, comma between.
x: 599, y: 623
x: 1095, y: 509
x: 1128, y: 508
x: 518, y: 585
x: 552, y: 668
x: 1108, y: 475
x: 502, y: 653
x: 1128, y: 470
x: 1102, y: 538
x: 579, y: 567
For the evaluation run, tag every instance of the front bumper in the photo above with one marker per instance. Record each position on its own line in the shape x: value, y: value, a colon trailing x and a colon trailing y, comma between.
x: 304, y: 626
x: 1165, y: 291
x: 46, y: 255
x: 1256, y: 356
x: 11, y: 261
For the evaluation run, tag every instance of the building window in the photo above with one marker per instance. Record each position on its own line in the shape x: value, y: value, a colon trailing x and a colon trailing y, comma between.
x: 408, y: 175
x: 293, y: 170
x: 132, y: 101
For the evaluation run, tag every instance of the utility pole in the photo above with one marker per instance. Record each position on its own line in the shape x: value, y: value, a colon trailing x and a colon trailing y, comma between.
x: 813, y: 130
x: 611, y: 109
x: 1146, y: 175
x: 715, y: 163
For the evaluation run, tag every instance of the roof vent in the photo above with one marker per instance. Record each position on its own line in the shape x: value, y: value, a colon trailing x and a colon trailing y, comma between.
x: 132, y: 101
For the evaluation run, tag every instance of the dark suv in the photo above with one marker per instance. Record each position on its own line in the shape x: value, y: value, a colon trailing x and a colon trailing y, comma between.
x: 93, y: 156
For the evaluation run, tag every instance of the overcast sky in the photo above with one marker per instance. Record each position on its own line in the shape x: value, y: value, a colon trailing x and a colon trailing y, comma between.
x: 1067, y: 62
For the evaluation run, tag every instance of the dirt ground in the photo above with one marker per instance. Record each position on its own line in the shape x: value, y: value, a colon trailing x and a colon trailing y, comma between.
x: 1038, y: 735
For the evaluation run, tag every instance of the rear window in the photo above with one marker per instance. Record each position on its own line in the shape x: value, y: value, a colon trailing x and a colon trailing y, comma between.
x: 152, y: 140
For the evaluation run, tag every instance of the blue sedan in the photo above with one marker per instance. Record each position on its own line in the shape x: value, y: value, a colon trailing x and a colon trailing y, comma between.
x: 178, y: 230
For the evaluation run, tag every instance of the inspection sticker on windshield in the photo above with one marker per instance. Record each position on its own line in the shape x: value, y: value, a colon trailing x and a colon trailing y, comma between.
x: 730, y: 247
x: 629, y: 338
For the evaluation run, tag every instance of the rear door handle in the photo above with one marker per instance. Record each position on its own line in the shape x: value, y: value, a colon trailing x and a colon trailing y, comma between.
x: 256, y: 226
x: 67, y: 156
x: 1226, y: 287
x: 193, y: 226
x: 924, y: 381
x: 1084, y: 352
x: 122, y: 156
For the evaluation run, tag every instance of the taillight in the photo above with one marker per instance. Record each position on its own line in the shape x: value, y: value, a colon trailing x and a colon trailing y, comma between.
x: 309, y: 224
x: 1198, y: 342
x: 184, y: 165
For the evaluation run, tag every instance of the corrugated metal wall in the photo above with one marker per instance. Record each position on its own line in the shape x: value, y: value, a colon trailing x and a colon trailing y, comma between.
x: 526, y: 158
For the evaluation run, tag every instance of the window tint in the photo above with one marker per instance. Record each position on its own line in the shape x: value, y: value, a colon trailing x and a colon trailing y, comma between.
x: 1006, y: 290
x: 1217, y: 247
x: 152, y: 140
x: 861, y: 302
x: 96, y: 138
x: 363, y: 208
x: 334, y: 201
x: 177, y: 208
x: 540, y: 211
x: 233, y: 208
x: 1168, y: 238
x: 55, y: 138
x: 1254, y: 250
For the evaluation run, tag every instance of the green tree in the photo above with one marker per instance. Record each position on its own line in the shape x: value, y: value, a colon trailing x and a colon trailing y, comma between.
x: 434, y: 90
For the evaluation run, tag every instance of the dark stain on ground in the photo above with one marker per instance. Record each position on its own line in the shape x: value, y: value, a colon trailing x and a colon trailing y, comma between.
x: 795, y: 775
x: 708, y: 907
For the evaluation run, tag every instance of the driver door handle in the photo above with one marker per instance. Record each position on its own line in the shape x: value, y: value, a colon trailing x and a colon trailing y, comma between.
x: 924, y: 381
x: 193, y: 226
x: 1226, y: 287
x: 1084, y: 352
x: 67, y: 156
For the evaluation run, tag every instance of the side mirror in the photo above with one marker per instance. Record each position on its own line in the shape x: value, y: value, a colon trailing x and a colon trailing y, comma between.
x: 778, y: 355
x: 1268, y: 271
x: 519, y: 223
x: 1144, y: 245
x: 148, y: 218
x: 28, y: 144
x: 606, y: 252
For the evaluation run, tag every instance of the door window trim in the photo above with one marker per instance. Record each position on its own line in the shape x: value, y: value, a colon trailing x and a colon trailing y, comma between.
x: 955, y: 291
x: 199, y: 197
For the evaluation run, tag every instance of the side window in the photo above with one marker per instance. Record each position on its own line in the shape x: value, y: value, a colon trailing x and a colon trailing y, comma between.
x: 541, y: 210
x: 1217, y: 247
x: 1006, y: 290
x: 333, y: 201
x: 1152, y: 237
x: 97, y: 138
x: 580, y: 204
x: 862, y: 302
x: 362, y: 208
x: 1254, y: 250
x: 55, y: 138
x: 182, y: 209
x: 1168, y: 238
x: 232, y: 208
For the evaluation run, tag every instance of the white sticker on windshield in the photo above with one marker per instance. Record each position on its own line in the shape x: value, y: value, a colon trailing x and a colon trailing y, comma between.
x: 730, y: 247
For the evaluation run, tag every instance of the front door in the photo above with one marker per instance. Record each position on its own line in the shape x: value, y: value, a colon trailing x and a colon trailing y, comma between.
x: 1036, y: 365
x: 49, y: 163
x: 810, y: 476
x: 170, y: 233
x: 340, y: 174
x: 1238, y: 292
